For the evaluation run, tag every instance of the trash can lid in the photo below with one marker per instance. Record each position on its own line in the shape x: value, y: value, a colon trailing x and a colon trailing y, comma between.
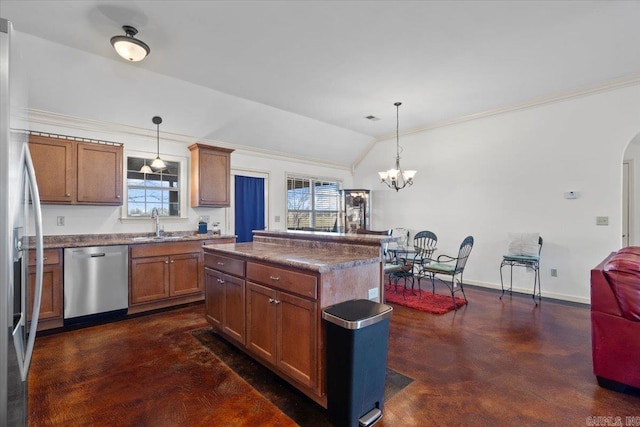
x: 357, y: 313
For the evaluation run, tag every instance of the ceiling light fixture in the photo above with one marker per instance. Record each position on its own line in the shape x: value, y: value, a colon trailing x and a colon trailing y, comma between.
x: 158, y: 163
x: 146, y: 168
x: 128, y: 46
x: 396, y: 178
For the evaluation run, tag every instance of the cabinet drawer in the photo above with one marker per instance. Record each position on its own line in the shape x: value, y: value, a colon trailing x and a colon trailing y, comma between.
x: 51, y: 257
x: 280, y: 278
x: 164, y: 249
x: 225, y: 264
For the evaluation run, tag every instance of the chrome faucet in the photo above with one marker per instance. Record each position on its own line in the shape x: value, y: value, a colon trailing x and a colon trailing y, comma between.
x: 155, y: 216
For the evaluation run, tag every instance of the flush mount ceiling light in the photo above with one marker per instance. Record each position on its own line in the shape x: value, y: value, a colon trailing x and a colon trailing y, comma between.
x: 128, y: 46
x: 396, y: 178
x: 158, y: 163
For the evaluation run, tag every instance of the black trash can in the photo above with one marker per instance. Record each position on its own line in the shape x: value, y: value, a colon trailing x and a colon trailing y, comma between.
x: 357, y: 338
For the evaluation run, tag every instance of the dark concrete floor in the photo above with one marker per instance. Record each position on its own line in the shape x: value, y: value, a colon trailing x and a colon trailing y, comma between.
x: 490, y: 363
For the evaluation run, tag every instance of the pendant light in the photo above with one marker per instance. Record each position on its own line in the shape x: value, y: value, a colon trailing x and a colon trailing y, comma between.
x: 146, y: 168
x: 128, y: 46
x: 395, y: 177
x: 158, y: 163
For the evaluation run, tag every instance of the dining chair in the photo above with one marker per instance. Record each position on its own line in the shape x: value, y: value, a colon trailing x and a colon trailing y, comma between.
x: 389, y: 266
x: 529, y: 258
x: 424, y: 244
x: 453, y: 267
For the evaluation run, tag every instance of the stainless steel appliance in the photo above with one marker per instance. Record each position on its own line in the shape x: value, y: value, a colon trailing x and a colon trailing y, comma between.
x: 95, y: 280
x: 20, y: 220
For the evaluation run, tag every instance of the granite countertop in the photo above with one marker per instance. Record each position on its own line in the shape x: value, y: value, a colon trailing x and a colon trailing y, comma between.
x: 324, y: 236
x: 314, y: 259
x: 83, y: 240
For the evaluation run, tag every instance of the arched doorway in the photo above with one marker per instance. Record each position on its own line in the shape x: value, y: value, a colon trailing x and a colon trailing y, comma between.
x: 630, y: 199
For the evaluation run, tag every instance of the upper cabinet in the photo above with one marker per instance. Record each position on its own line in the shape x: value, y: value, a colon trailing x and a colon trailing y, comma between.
x: 210, y: 176
x: 73, y: 172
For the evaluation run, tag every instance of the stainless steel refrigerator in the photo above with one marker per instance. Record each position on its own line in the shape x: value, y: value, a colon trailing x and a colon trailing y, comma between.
x: 20, y: 231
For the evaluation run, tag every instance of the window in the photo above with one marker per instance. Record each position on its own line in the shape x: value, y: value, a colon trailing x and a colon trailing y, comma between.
x: 159, y: 189
x: 312, y: 204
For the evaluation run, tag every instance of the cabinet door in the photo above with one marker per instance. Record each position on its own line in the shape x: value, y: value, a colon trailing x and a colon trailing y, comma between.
x: 261, y: 322
x: 51, y: 298
x: 210, y: 176
x: 149, y: 279
x: 296, y: 334
x: 99, y: 174
x: 54, y: 163
x: 213, y: 297
x: 185, y: 274
x: 234, y: 313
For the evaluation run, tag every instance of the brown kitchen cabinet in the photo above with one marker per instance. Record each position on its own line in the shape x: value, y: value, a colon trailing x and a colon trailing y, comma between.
x: 51, y: 302
x: 99, y: 180
x: 73, y: 172
x: 225, y: 295
x: 164, y: 274
x: 210, y: 176
x: 281, y: 329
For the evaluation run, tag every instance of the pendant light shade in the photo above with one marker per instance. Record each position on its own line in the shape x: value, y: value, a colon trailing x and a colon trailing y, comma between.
x: 158, y: 163
x: 146, y: 168
x: 396, y: 178
x: 128, y: 46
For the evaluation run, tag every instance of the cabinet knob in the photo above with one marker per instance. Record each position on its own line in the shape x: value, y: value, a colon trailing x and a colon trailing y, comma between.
x: 271, y: 300
x: 166, y: 262
x: 67, y: 195
x: 118, y: 196
x: 276, y: 278
x: 171, y: 261
x: 220, y: 263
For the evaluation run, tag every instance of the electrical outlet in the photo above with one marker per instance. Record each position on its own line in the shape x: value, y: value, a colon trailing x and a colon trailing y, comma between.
x: 554, y: 272
x: 276, y: 218
x: 373, y: 293
x: 205, y: 218
x: 60, y: 221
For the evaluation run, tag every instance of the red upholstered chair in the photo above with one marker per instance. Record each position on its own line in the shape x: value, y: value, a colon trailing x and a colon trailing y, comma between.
x: 615, y: 320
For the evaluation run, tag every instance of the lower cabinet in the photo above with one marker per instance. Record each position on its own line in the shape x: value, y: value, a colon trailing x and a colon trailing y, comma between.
x: 164, y: 274
x: 224, y: 303
x: 281, y: 329
x: 269, y: 311
x: 51, y: 302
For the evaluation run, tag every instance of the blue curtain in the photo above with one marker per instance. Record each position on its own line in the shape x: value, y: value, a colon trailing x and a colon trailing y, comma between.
x: 249, y: 193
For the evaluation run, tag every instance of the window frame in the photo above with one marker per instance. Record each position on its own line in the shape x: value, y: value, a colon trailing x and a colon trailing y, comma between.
x: 313, y: 211
x: 183, y: 178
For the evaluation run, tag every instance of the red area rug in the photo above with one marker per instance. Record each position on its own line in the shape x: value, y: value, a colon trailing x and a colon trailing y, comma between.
x: 429, y: 302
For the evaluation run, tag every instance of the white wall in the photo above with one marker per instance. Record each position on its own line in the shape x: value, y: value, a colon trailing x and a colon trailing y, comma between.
x: 508, y: 172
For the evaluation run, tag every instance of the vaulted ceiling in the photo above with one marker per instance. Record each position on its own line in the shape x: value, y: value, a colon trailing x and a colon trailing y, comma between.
x: 336, y: 62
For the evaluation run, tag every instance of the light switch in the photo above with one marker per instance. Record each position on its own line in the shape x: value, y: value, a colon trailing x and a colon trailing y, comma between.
x: 602, y: 220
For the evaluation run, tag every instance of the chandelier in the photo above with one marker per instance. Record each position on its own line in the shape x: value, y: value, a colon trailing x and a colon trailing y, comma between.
x: 396, y: 178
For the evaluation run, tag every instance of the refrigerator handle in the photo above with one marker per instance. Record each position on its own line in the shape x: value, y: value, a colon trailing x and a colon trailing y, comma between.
x: 25, y: 361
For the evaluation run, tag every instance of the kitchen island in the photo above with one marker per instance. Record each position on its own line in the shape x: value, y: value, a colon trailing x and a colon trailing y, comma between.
x: 267, y: 296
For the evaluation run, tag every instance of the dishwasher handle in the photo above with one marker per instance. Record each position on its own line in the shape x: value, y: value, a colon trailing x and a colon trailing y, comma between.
x: 98, y: 255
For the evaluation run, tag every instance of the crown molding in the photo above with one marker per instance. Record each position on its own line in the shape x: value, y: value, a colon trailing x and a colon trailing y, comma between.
x: 582, y: 92
x: 37, y: 118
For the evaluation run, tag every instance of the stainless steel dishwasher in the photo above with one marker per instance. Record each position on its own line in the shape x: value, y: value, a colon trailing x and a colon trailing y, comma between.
x: 96, y: 280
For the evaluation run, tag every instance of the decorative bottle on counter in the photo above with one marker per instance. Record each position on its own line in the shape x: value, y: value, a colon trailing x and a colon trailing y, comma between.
x: 202, y: 226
